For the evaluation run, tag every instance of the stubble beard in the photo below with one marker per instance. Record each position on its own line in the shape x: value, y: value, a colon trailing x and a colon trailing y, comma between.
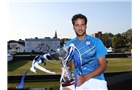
x: 80, y: 35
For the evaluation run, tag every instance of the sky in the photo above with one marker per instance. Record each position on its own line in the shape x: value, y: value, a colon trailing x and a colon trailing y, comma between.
x: 33, y: 18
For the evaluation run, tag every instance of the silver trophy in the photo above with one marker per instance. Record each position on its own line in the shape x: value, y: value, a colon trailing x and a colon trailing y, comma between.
x: 64, y: 53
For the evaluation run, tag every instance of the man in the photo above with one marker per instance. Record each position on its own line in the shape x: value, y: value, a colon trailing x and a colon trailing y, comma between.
x: 93, y: 53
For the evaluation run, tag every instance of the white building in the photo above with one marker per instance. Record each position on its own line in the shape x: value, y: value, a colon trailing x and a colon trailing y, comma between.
x: 42, y: 44
x: 16, y: 47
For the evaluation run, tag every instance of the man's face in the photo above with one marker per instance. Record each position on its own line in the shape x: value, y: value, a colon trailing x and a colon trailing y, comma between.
x: 80, y: 27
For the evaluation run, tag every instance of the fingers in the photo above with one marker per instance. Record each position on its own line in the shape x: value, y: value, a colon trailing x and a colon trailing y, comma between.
x: 72, y: 82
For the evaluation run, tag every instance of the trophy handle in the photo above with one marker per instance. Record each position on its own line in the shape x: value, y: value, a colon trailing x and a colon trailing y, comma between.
x: 68, y: 77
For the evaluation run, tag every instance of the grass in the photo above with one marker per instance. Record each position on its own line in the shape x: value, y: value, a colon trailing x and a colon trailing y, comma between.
x: 119, y: 64
x: 43, y: 84
x: 19, y: 67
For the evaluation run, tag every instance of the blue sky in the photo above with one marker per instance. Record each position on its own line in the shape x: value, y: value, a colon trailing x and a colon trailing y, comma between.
x: 41, y: 18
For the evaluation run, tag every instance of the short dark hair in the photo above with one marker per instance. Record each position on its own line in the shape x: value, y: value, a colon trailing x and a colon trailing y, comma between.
x: 81, y: 16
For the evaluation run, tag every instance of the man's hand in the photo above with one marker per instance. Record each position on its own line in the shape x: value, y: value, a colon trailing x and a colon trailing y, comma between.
x: 65, y: 73
x: 81, y: 80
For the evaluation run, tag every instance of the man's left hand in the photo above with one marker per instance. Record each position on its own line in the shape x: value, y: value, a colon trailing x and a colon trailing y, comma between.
x: 81, y: 80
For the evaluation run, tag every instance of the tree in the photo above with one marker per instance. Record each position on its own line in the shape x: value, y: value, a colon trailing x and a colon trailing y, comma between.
x: 128, y: 39
x: 128, y: 36
x: 107, y: 39
x: 20, y: 40
x: 118, y: 41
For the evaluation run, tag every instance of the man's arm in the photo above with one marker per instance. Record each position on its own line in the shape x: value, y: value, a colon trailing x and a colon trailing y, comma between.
x: 101, y: 68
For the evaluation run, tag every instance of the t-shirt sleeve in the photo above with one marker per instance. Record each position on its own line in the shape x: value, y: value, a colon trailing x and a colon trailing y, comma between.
x: 100, y: 49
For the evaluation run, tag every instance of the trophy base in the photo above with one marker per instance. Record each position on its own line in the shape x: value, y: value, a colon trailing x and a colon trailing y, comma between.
x: 67, y: 83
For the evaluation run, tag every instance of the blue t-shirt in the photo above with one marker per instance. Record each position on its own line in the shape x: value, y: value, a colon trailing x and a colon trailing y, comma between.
x: 91, y: 49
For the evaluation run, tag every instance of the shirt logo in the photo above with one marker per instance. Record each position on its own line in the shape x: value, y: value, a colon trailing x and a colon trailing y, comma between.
x: 88, y: 42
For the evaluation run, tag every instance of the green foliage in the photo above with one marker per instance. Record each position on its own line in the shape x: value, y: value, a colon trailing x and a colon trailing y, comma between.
x: 118, y: 41
x: 107, y: 39
x: 128, y: 36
